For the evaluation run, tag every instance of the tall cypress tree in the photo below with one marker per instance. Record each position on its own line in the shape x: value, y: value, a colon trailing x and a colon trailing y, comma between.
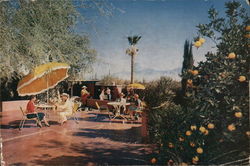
x: 187, y: 64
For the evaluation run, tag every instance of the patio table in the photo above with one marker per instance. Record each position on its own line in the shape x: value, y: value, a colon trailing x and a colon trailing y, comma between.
x: 117, y: 107
x: 45, y: 108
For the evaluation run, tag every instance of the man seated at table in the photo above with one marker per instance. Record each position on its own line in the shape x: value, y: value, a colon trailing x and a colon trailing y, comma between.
x: 135, y: 107
x: 31, y: 112
x: 64, y: 108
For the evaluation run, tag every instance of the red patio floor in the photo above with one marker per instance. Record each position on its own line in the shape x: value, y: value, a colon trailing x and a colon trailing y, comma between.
x: 88, y: 143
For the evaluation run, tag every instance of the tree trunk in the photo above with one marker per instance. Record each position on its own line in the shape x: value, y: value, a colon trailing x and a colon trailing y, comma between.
x: 132, y: 68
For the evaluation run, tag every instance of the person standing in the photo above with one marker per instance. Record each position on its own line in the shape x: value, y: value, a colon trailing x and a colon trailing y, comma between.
x: 84, y: 95
x: 115, y: 93
x: 102, y: 95
x: 131, y: 95
x: 108, y: 92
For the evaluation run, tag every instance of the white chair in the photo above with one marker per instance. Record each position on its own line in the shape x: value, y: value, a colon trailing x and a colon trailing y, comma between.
x: 76, y: 106
x: 24, y: 118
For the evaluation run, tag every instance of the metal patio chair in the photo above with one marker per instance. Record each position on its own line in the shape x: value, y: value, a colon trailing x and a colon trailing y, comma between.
x: 24, y: 118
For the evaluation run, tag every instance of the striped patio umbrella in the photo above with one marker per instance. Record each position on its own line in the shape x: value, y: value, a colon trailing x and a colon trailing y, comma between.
x: 136, y: 86
x: 42, y: 78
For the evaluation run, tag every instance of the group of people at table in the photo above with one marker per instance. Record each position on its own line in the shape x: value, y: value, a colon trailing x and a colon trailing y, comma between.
x: 130, y: 98
x: 134, y: 105
x: 64, y: 107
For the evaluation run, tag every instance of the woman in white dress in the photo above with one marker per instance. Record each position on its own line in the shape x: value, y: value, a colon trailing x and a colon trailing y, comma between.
x: 102, y: 95
x: 64, y: 108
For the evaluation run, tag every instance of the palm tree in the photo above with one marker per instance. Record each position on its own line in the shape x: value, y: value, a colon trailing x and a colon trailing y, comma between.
x: 132, y: 51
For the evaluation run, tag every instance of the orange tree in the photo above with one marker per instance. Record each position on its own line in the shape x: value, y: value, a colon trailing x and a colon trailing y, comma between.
x: 220, y: 89
x: 214, y: 127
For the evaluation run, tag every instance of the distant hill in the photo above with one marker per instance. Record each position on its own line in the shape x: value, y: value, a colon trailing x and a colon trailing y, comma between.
x: 151, y: 74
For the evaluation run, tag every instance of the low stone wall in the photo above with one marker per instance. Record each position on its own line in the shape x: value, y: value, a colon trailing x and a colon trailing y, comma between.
x: 13, y: 105
x: 144, y: 128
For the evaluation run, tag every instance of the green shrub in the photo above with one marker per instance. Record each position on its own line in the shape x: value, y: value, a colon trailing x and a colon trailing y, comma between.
x: 160, y: 92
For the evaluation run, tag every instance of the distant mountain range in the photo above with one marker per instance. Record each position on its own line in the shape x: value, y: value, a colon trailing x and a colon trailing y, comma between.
x: 150, y: 74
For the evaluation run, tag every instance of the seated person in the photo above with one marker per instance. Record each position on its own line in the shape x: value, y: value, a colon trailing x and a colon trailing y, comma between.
x: 31, y: 112
x: 123, y: 101
x: 64, y: 108
x: 121, y: 98
x: 135, y: 107
x: 130, y: 95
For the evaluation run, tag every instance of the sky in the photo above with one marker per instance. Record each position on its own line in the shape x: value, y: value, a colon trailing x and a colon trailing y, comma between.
x: 164, y: 26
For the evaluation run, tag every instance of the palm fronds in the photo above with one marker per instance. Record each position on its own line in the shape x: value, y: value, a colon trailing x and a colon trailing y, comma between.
x: 133, y: 40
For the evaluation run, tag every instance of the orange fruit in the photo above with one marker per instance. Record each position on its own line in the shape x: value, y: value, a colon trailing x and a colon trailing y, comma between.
x: 195, y: 158
x: 238, y: 114
x: 231, y: 127
x: 202, y: 129
x: 197, y: 44
x: 188, y: 133
x: 192, y: 144
x: 190, y: 81
x: 153, y: 160
x: 195, y: 72
x: 199, y: 150
x: 242, y: 78
x: 231, y: 55
x: 206, y: 132
x: 248, y: 28
x: 170, y: 145
x: 181, y: 139
x: 210, y: 126
x: 193, y: 127
x: 202, y: 40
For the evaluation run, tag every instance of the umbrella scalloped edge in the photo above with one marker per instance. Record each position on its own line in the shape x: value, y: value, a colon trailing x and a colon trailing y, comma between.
x: 39, y: 76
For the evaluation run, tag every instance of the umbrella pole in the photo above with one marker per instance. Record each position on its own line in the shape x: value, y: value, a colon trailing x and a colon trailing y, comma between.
x: 71, y: 90
x: 47, y: 91
x: 47, y: 96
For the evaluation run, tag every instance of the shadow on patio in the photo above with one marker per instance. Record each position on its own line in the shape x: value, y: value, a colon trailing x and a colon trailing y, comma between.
x: 127, y: 136
x: 93, y: 154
